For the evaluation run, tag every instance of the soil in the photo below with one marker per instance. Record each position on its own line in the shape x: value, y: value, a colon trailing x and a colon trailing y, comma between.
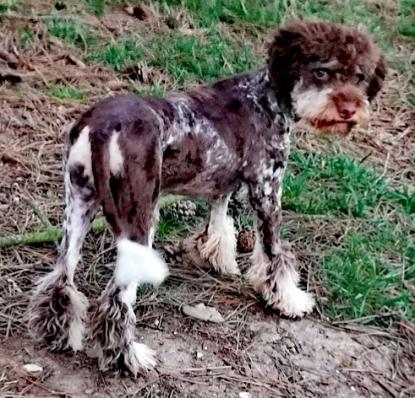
x: 273, y: 357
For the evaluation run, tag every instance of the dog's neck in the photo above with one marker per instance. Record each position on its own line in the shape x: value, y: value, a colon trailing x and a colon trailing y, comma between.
x: 260, y: 91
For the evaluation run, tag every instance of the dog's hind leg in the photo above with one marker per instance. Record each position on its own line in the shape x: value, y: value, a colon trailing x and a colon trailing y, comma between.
x: 129, y: 202
x: 218, y: 245
x: 57, y: 310
x: 273, y: 272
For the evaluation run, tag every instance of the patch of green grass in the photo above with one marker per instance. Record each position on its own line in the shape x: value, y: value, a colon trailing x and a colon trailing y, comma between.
x: 188, y: 58
x: 371, y: 272
x: 168, y: 227
x: 339, y: 185
x: 63, y: 92
x: 268, y: 13
x: 372, y: 275
x: 405, y: 198
x: 255, y: 12
x: 97, y: 7
x: 319, y: 185
x: 8, y: 5
x: 120, y: 54
x: 155, y: 91
x: 244, y: 220
x: 26, y: 36
x: 74, y: 32
x: 407, y: 18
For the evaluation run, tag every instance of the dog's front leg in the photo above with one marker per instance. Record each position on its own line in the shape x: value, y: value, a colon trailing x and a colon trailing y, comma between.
x: 273, y: 272
x: 218, y: 244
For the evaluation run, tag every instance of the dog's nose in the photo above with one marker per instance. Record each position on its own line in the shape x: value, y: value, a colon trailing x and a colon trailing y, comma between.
x: 346, y: 109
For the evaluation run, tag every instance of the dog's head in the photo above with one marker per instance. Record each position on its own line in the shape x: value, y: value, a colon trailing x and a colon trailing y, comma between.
x: 329, y: 72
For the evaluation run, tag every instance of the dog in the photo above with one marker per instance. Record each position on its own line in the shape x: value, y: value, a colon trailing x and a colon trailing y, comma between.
x: 126, y: 150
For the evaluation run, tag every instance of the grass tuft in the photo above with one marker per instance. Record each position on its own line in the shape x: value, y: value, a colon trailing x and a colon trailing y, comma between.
x: 188, y: 58
x: 8, y: 5
x: 96, y: 7
x: 365, y: 279
x: 120, y: 54
x: 407, y: 18
x: 73, y: 32
x: 262, y: 13
x: 63, y: 92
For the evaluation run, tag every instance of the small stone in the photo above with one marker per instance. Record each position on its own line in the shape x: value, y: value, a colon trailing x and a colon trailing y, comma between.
x: 203, y: 313
x: 245, y: 394
x: 32, y: 368
x: 199, y: 355
x: 89, y: 391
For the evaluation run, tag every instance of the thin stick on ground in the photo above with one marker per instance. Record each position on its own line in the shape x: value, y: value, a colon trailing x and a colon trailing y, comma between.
x: 53, y: 234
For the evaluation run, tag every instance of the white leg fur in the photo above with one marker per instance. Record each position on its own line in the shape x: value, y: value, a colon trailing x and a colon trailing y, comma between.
x: 139, y: 264
x: 140, y: 356
x: 288, y: 298
x: 77, y: 326
x: 220, y: 247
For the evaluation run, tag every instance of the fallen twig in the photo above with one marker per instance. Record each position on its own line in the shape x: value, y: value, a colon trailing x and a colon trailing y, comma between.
x: 53, y: 234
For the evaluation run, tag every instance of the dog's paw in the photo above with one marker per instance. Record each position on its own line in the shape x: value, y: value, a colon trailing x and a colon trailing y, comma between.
x: 295, y: 303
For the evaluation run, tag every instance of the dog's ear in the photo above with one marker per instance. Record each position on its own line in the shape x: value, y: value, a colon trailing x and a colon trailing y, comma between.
x: 285, y: 50
x: 376, y: 81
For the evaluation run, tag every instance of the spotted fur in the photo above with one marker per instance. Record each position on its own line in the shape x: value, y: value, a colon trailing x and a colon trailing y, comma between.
x: 126, y: 150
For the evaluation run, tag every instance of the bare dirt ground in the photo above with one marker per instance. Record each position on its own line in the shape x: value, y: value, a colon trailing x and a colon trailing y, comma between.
x: 268, y: 358
x: 253, y: 351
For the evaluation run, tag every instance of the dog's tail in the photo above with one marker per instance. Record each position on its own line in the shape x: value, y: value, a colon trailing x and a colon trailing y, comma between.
x: 106, y: 182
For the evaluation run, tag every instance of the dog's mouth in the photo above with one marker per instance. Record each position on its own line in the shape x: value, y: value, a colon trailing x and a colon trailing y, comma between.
x: 342, y: 127
x: 320, y: 111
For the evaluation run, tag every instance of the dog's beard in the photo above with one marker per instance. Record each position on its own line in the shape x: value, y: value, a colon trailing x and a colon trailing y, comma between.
x: 316, y: 109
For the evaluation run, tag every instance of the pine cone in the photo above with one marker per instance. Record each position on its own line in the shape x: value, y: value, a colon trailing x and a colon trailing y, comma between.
x: 183, y: 210
x: 172, y: 252
x: 246, y: 240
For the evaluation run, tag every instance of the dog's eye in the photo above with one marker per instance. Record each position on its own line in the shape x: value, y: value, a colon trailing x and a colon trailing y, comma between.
x: 359, y: 77
x: 321, y: 74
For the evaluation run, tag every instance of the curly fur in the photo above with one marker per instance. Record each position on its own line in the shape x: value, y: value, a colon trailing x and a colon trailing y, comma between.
x: 57, y: 312
x: 218, y: 247
x: 112, y: 333
x: 277, y: 281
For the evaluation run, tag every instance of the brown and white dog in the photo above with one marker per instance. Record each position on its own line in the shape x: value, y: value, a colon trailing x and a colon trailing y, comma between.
x: 126, y: 150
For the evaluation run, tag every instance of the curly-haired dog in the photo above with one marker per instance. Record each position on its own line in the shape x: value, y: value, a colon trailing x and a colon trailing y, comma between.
x: 126, y: 150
